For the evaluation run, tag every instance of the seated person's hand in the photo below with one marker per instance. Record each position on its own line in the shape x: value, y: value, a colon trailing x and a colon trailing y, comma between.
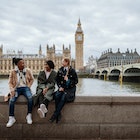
x: 61, y: 89
x: 66, y: 78
x: 12, y: 93
x: 45, y: 90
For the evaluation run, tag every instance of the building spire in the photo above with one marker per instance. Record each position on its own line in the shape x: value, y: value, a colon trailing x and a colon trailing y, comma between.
x: 79, y: 22
x: 40, y: 50
x: 79, y: 28
x: 40, y: 47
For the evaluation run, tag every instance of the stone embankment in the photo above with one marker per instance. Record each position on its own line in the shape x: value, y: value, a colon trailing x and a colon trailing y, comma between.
x: 88, y: 118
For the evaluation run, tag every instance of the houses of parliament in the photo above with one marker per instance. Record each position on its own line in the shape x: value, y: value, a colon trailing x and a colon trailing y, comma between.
x: 36, y: 61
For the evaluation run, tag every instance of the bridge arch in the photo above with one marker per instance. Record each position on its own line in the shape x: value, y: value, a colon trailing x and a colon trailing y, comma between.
x: 97, y: 74
x: 132, y: 70
x: 115, y: 71
x: 131, y: 75
x: 104, y: 72
x: 104, y: 75
x: 114, y: 74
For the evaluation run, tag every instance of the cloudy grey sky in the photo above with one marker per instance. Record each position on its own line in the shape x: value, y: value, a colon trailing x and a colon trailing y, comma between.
x: 25, y: 24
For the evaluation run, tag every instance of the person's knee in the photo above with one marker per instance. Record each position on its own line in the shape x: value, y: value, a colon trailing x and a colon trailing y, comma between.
x: 30, y: 99
x: 12, y: 101
x: 57, y: 95
x: 63, y: 98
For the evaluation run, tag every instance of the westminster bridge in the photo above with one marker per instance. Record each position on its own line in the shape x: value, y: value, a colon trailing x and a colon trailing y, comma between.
x: 126, y: 73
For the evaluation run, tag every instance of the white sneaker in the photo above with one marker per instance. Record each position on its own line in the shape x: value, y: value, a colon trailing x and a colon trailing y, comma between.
x: 11, y: 121
x: 43, y: 108
x: 29, y: 118
x: 40, y: 113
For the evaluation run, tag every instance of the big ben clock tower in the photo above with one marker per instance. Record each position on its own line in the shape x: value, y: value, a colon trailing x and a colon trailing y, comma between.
x: 79, y: 39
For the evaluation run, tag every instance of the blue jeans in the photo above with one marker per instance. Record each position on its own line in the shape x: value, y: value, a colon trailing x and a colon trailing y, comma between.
x: 21, y: 91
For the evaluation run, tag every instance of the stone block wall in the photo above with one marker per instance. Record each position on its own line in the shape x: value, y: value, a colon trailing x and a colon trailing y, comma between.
x: 96, y: 118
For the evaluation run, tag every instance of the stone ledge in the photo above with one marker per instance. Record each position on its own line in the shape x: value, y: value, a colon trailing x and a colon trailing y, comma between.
x: 71, y: 131
x: 96, y: 117
x: 108, y: 100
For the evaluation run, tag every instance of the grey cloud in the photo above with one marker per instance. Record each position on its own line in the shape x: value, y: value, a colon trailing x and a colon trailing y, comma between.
x: 106, y: 24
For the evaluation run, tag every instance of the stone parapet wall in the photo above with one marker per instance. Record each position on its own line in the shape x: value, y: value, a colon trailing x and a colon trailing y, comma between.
x: 96, y: 117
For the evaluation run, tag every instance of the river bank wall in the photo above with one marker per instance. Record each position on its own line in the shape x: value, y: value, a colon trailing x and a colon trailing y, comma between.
x: 88, y: 118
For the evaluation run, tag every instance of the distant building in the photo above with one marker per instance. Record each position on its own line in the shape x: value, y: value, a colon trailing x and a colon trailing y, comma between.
x: 33, y: 61
x: 36, y: 61
x: 109, y: 59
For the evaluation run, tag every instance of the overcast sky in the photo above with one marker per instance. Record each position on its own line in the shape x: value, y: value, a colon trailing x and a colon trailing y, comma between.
x: 25, y: 24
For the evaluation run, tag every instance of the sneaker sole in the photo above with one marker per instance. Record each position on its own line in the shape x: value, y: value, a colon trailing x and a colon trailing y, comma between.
x: 29, y: 122
x: 40, y: 113
x: 43, y: 108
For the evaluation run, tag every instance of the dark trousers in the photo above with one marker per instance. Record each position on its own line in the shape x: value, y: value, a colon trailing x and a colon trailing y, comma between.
x: 60, y: 100
x: 43, y: 100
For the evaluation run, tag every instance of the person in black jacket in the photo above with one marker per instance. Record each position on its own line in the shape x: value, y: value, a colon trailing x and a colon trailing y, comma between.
x: 66, y: 81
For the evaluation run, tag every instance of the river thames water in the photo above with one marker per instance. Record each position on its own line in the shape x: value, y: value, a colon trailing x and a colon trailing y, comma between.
x: 91, y: 87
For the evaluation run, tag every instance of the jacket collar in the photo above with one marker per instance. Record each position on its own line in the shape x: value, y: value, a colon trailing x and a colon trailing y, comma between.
x: 18, y: 71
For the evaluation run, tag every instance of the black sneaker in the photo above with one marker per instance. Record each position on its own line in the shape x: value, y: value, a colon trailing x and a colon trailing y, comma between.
x: 58, y: 118
x: 52, y: 119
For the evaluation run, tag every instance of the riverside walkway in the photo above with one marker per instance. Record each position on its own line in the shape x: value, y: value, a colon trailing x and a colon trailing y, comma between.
x: 88, y: 118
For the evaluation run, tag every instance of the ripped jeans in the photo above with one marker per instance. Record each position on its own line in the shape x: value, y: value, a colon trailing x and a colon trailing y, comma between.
x: 25, y: 91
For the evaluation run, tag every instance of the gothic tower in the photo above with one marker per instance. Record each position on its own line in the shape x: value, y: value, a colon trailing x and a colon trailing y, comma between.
x: 79, y: 40
x: 1, y: 50
x: 40, y: 50
x: 67, y: 51
x: 50, y: 52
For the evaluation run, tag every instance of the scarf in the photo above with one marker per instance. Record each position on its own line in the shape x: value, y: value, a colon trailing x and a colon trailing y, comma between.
x: 19, y: 75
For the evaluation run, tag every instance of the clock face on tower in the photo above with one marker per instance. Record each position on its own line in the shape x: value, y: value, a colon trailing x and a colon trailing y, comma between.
x: 79, y: 37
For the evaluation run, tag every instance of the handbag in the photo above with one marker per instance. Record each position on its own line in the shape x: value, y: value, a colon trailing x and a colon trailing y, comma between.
x: 70, y: 94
